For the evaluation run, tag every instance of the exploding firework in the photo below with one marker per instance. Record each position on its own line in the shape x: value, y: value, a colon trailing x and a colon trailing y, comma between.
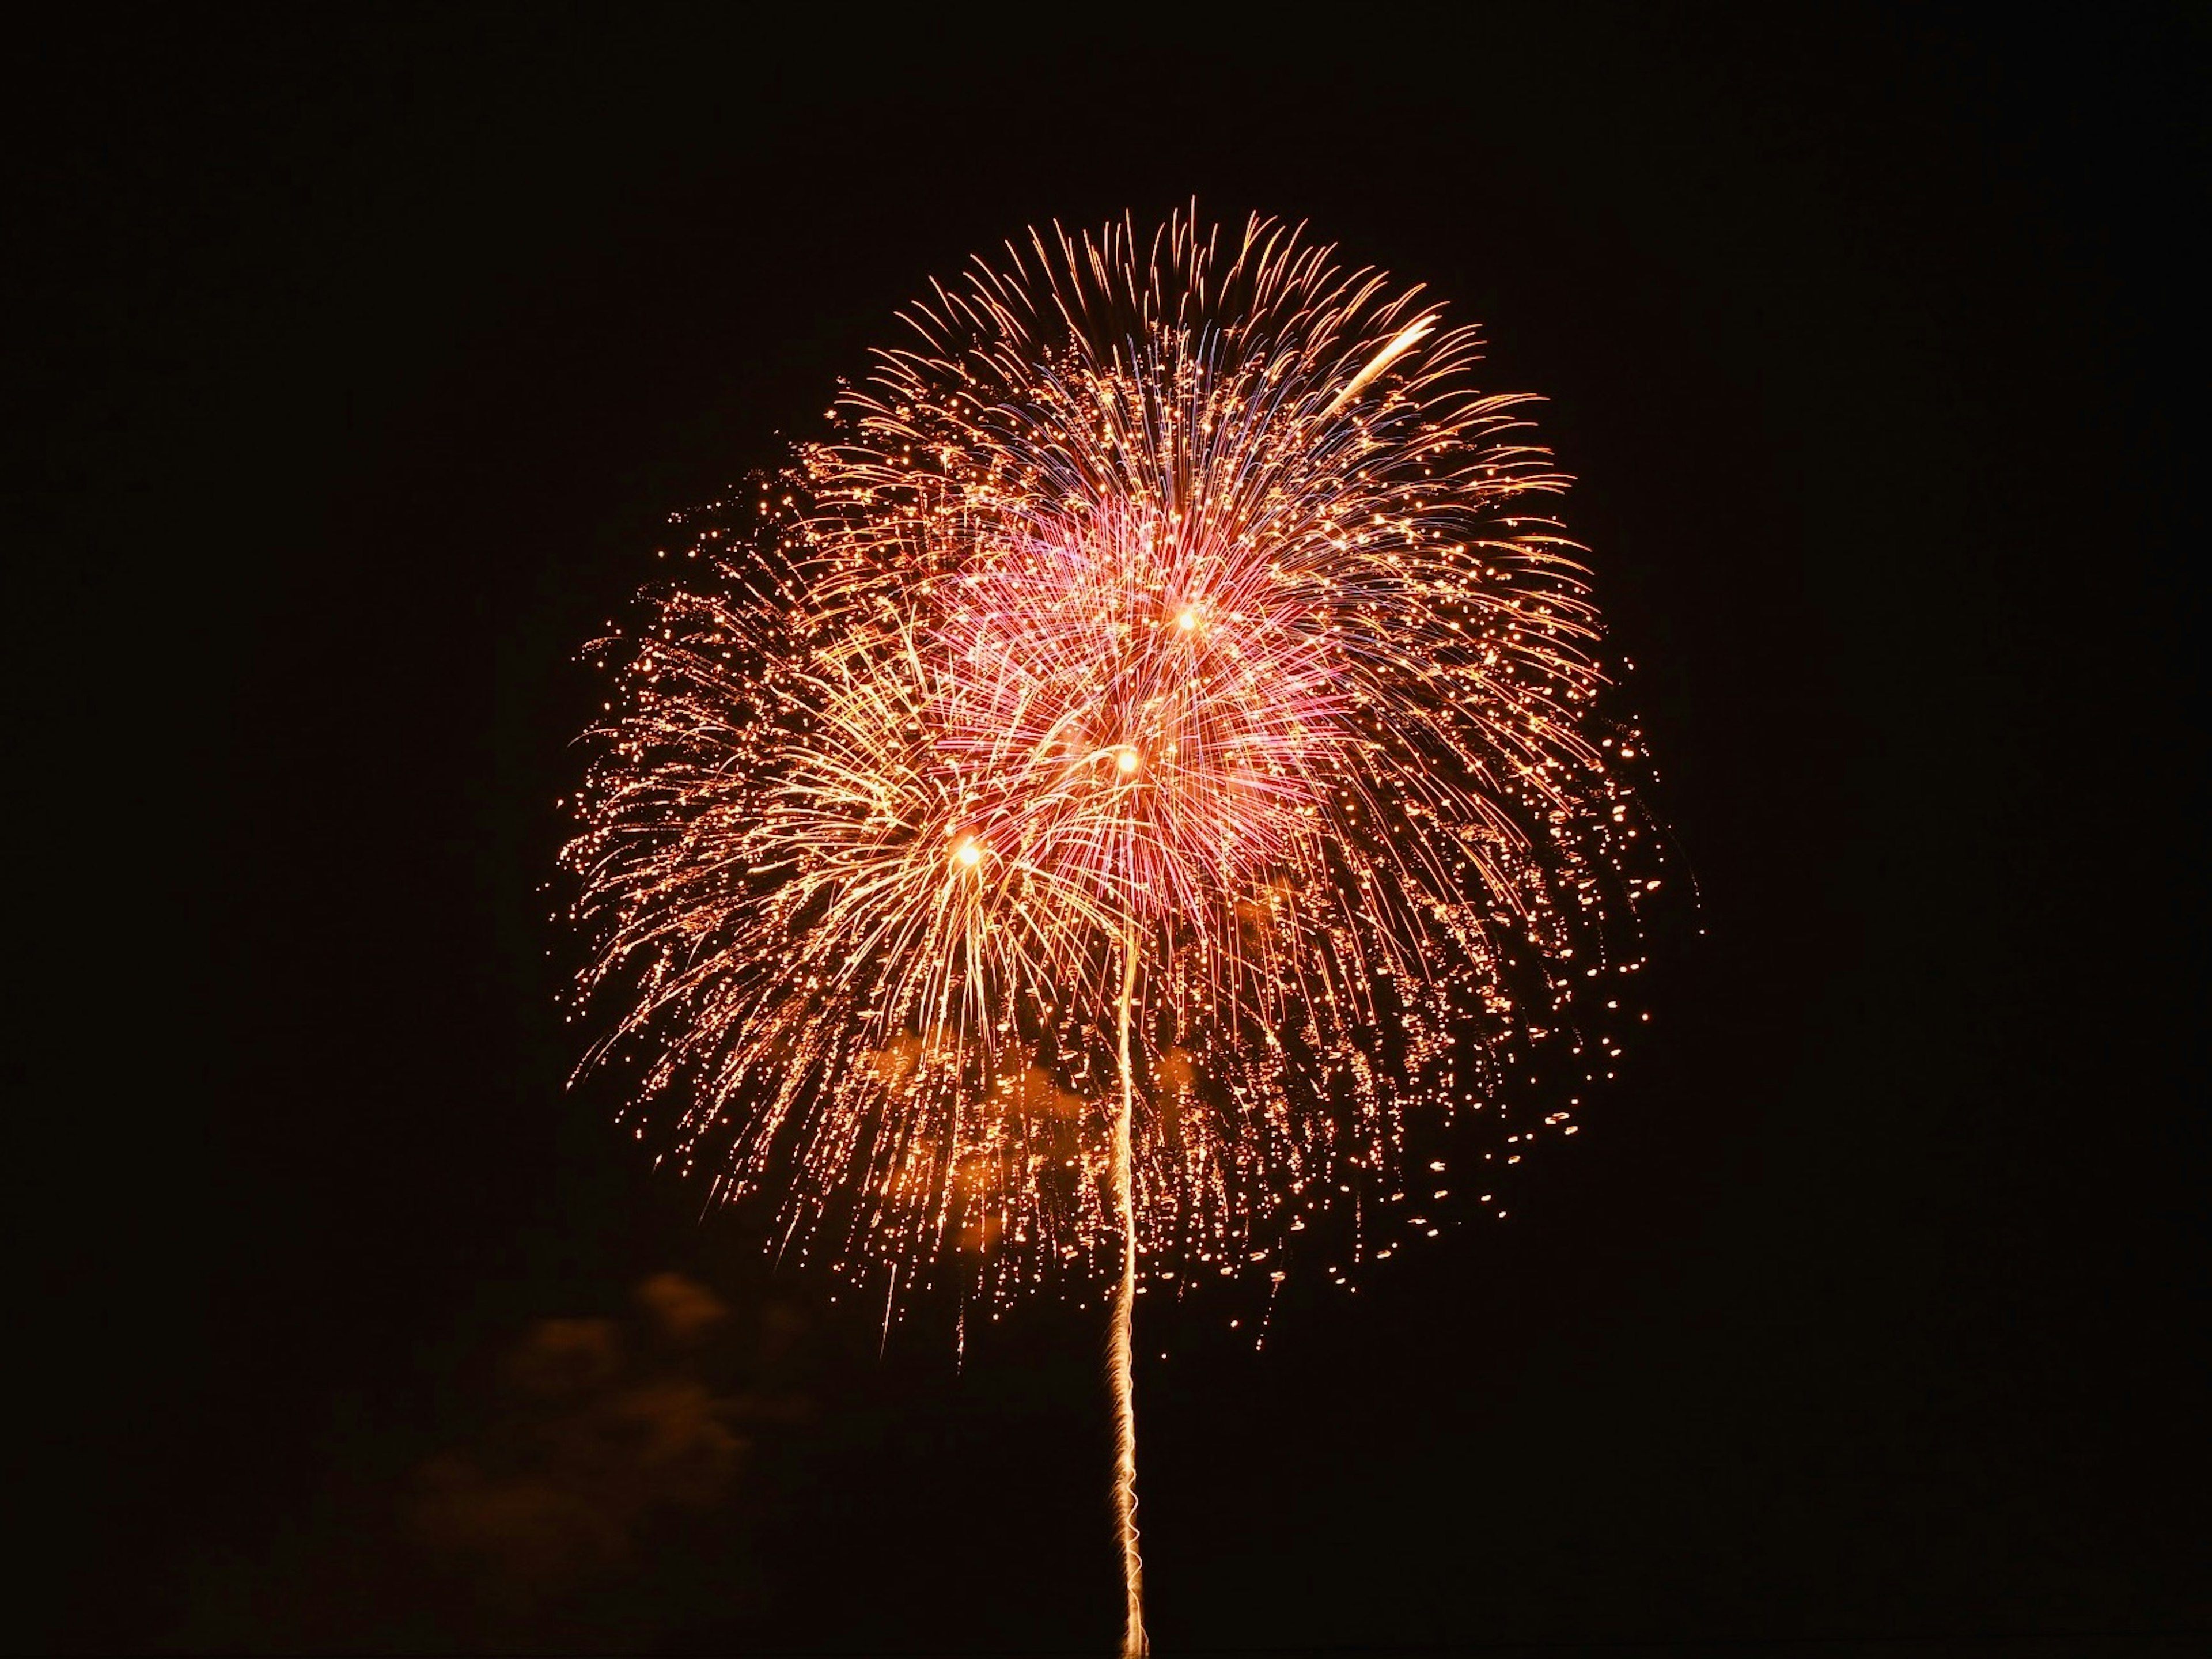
x: 1142, y: 757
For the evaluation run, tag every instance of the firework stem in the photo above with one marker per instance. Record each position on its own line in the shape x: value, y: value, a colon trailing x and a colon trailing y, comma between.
x: 1120, y: 1337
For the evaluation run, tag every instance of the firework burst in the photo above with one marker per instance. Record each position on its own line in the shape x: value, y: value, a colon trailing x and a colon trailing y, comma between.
x: 1145, y: 755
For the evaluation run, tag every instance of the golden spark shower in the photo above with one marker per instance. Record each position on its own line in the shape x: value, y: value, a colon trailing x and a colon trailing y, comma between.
x: 1135, y: 770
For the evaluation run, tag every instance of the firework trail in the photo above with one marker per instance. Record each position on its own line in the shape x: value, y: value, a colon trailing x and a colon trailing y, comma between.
x: 1144, y: 756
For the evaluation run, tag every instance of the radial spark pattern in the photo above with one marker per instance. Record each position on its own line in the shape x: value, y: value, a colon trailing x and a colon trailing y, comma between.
x: 1180, y: 598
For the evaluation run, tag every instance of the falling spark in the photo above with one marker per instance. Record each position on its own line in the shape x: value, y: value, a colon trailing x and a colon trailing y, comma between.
x: 1141, y: 758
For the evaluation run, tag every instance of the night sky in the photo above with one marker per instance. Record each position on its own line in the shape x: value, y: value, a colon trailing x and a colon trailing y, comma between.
x: 364, y: 359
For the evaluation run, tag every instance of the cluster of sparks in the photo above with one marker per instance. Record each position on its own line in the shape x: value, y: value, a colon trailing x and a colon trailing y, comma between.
x: 1170, y: 628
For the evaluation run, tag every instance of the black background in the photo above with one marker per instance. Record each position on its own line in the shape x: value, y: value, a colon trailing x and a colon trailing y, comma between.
x: 366, y: 358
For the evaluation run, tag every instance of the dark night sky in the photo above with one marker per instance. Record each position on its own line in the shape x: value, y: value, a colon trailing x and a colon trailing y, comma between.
x: 365, y: 362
